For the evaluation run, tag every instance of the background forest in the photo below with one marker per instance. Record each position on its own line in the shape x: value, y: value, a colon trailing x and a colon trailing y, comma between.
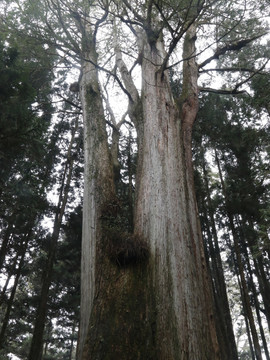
x: 41, y: 186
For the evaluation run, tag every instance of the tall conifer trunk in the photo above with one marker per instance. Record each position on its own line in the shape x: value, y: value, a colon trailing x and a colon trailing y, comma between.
x: 166, y: 215
x: 159, y: 306
x: 98, y: 182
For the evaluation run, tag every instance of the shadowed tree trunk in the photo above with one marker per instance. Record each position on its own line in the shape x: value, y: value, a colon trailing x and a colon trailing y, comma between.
x: 224, y: 321
x: 37, y: 340
x: 240, y: 265
x: 18, y: 271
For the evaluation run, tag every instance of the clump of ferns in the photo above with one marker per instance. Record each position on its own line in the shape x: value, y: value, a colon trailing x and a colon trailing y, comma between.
x: 123, y: 248
x: 126, y: 249
x: 111, y: 209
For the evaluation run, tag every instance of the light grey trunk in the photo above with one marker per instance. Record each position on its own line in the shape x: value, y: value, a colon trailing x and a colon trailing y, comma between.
x: 98, y: 185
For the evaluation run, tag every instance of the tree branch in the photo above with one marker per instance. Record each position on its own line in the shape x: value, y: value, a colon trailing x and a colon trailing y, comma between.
x: 100, y: 21
x: 69, y: 102
x: 116, y: 126
x: 112, y: 74
x: 251, y: 76
x: 222, y: 91
x: 125, y: 74
x: 235, y: 46
x: 65, y: 29
x: 231, y: 69
x: 135, y: 13
x: 235, y: 90
x: 183, y: 29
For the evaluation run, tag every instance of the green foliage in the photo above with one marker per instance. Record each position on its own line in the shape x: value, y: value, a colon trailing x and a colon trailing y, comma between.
x: 261, y: 88
x: 24, y: 84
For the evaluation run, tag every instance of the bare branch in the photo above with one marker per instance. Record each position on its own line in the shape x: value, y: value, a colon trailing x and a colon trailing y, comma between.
x: 69, y: 101
x: 251, y: 76
x: 149, y: 11
x: 100, y: 21
x: 112, y: 74
x: 234, y: 46
x: 165, y: 20
x: 222, y: 91
x: 135, y: 13
x: 183, y: 29
x: 235, y: 90
x: 232, y: 69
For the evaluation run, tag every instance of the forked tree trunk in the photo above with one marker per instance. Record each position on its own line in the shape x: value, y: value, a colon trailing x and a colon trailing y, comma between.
x: 113, y: 313
x: 158, y: 306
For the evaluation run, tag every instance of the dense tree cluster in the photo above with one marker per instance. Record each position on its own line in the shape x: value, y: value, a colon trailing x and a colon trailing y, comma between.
x: 134, y: 217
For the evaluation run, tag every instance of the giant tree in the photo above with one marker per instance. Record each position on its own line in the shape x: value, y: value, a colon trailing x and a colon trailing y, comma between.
x: 175, y: 297
x: 145, y: 293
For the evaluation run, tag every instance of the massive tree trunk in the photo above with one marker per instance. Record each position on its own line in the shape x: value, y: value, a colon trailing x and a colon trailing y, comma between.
x: 166, y: 215
x: 153, y: 301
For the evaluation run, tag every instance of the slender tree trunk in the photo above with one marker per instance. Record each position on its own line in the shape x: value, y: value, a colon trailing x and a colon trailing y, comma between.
x: 37, y: 340
x: 257, y: 307
x: 242, y: 296
x: 240, y: 265
x: 130, y: 184
x: 14, y: 289
x: 71, y: 348
x: 251, y: 283
x: 5, y: 241
x: 264, y: 284
x: 11, y: 273
x: 245, y: 313
x: 48, y: 334
x: 224, y: 319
